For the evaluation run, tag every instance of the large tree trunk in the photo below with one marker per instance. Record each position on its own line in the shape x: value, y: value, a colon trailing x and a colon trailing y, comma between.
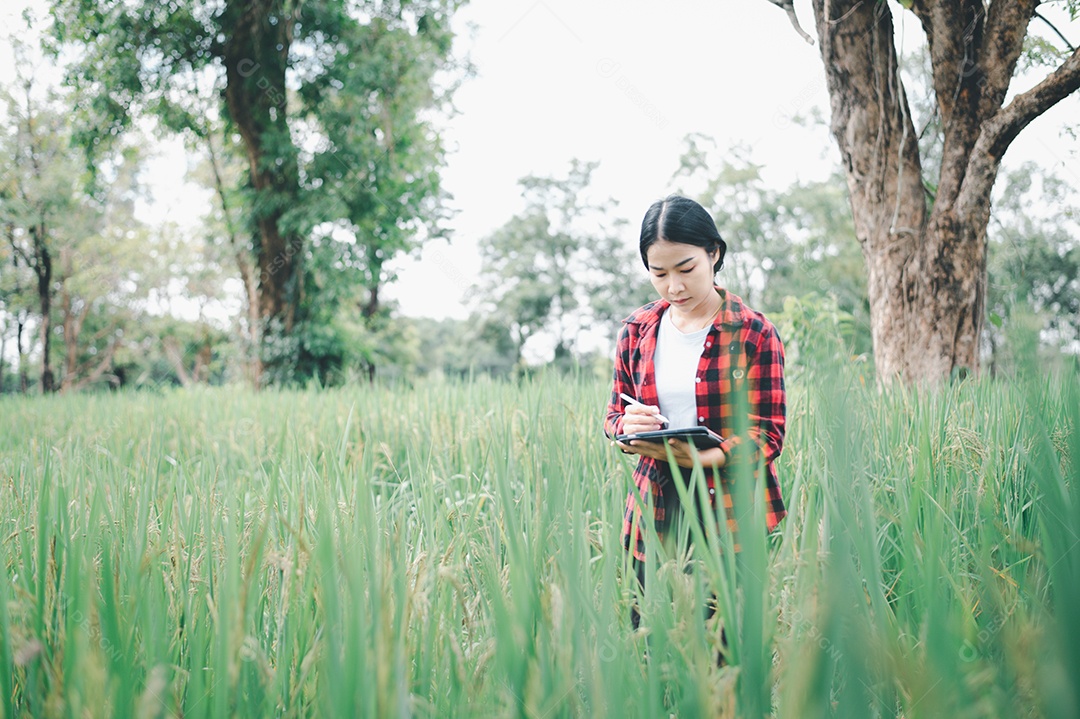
x: 927, y: 267
x: 255, y: 54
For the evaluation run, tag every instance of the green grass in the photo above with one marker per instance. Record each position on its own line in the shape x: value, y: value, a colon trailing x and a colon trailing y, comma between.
x: 453, y: 550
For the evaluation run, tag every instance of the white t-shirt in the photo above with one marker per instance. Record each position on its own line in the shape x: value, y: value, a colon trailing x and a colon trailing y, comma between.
x: 675, y: 364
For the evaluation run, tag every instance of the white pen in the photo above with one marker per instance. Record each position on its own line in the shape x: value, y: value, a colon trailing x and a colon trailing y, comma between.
x: 631, y: 400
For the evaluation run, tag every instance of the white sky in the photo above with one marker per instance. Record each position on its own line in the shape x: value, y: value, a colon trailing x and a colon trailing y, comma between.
x: 620, y: 83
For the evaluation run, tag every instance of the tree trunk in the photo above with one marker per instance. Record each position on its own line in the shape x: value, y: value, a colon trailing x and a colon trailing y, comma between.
x: 24, y: 377
x: 368, y: 311
x: 43, y: 271
x: 72, y: 329
x: 176, y: 359
x: 927, y: 267
x: 255, y: 54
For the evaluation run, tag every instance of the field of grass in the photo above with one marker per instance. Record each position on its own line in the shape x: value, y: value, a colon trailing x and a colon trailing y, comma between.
x: 453, y: 549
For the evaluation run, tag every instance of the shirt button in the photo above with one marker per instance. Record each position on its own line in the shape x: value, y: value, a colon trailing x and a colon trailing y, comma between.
x: 708, y: 344
x: 700, y: 419
x: 712, y: 490
x: 698, y: 379
x: 733, y: 346
x: 737, y: 374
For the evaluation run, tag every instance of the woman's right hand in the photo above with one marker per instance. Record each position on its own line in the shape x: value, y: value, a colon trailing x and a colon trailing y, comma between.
x: 641, y: 418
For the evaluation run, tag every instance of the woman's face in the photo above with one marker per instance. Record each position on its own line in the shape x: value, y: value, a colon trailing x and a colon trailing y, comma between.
x: 683, y: 275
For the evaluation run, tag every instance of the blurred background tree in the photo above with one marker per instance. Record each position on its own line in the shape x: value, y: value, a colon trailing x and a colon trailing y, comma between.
x: 1034, y: 271
x: 559, y: 273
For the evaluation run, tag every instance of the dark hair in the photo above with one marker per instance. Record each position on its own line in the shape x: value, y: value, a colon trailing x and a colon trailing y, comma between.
x: 680, y: 219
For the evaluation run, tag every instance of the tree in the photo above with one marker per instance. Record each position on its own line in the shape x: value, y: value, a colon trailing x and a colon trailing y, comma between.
x: 924, y: 238
x: 789, y: 250
x: 37, y: 198
x: 464, y: 348
x: 1034, y: 269
x: 267, y: 59
x: 559, y: 268
x: 85, y: 255
x: 377, y: 177
x: 148, y: 56
x: 220, y: 168
x: 16, y: 303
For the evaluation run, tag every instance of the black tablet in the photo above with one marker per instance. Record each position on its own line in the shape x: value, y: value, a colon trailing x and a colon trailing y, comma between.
x: 700, y: 437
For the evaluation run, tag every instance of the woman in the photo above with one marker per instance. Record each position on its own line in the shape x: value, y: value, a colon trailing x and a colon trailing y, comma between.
x: 683, y: 357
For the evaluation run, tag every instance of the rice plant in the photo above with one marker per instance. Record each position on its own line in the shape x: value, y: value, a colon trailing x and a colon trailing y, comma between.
x: 453, y: 549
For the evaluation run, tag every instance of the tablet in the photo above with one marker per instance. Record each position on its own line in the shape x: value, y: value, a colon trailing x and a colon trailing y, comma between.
x: 700, y: 437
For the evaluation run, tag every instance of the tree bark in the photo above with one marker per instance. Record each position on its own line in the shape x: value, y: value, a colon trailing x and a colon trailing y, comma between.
x: 926, y: 263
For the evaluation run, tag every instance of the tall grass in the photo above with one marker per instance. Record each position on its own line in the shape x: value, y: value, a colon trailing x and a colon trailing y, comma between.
x: 454, y: 550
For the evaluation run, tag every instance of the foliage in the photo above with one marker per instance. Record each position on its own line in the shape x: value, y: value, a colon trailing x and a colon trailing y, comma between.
x: 336, y: 347
x: 793, y: 243
x: 463, y: 349
x: 332, y: 103
x: 454, y: 549
x: 817, y: 334
x: 77, y: 261
x: 162, y: 351
x: 1034, y: 269
x: 793, y: 254
x: 559, y: 268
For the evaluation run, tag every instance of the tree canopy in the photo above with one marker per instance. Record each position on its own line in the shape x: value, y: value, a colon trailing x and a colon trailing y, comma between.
x: 330, y: 102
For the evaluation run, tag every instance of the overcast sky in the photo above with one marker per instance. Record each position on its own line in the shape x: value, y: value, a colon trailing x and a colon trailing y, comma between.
x: 620, y: 83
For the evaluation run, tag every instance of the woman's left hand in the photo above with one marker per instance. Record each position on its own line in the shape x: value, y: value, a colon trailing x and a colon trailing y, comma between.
x: 680, y: 450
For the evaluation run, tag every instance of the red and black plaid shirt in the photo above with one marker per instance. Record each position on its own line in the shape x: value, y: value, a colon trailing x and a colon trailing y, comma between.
x: 742, y: 350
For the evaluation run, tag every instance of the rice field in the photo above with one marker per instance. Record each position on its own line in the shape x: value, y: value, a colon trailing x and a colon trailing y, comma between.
x: 453, y: 550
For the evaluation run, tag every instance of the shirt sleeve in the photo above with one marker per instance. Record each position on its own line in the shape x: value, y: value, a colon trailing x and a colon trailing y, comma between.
x: 767, y: 403
x: 621, y: 382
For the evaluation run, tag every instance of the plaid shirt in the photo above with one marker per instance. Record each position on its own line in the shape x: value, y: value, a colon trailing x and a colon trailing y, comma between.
x: 742, y: 349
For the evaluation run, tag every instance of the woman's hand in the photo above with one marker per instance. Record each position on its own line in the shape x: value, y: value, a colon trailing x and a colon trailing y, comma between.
x: 680, y: 450
x: 641, y: 418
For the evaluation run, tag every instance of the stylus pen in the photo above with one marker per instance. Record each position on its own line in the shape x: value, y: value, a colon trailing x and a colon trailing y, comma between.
x: 631, y: 400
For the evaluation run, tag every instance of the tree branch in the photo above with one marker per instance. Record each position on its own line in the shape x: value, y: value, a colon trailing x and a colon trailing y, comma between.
x: 1000, y: 130
x: 1003, y: 128
x: 19, y: 251
x: 1002, y: 43
x: 104, y: 364
x: 1053, y: 27
x: 788, y: 7
x: 951, y: 27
